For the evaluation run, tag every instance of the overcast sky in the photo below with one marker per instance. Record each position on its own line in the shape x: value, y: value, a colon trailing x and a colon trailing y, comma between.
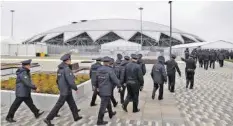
x: 210, y: 20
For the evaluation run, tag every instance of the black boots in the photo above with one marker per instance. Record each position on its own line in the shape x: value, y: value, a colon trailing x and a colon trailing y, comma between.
x: 38, y: 114
x: 10, y: 120
x: 48, y: 122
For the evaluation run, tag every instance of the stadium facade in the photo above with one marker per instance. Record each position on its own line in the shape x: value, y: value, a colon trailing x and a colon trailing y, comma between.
x: 97, y: 32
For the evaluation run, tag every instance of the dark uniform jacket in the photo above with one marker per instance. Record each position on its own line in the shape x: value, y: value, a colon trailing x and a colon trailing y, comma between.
x: 116, y: 67
x: 133, y: 74
x: 158, y: 73
x: 221, y: 56
x: 93, y: 72
x: 213, y: 56
x: 172, y: 67
x: 122, y: 71
x: 190, y: 63
x: 106, y: 80
x: 23, y: 83
x: 65, y: 79
x: 142, y: 65
x: 206, y: 56
x: 186, y: 53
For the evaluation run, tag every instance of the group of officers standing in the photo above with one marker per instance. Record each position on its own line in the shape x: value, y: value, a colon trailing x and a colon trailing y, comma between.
x: 123, y: 74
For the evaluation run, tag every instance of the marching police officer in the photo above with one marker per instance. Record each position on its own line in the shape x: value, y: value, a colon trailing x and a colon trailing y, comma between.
x: 159, y: 76
x: 186, y: 53
x: 134, y: 81
x: 142, y: 64
x: 65, y: 82
x: 122, y: 75
x: 23, y: 92
x: 105, y: 81
x: 221, y: 58
x: 172, y: 67
x: 213, y: 58
x: 190, y: 71
x: 200, y: 57
x: 114, y: 102
x: 206, y: 59
x: 93, y: 71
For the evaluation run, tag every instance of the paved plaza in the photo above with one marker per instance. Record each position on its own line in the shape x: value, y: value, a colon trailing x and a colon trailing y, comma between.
x: 208, y: 104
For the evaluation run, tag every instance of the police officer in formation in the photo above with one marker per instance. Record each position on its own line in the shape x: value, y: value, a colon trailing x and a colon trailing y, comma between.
x: 206, y: 56
x: 142, y: 64
x: 92, y: 74
x: 65, y: 82
x: 200, y: 56
x: 122, y: 72
x: 189, y: 71
x: 221, y: 57
x: 186, y: 53
x: 231, y: 54
x: 106, y: 80
x: 159, y: 77
x: 172, y: 67
x: 133, y: 77
x: 194, y: 53
x: 114, y: 102
x: 24, y: 86
x: 213, y: 58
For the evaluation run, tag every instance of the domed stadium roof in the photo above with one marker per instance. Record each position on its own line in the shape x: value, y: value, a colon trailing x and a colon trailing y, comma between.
x: 89, y: 32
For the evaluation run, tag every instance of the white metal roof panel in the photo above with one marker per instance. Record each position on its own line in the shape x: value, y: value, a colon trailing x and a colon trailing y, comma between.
x: 69, y: 35
x: 49, y: 36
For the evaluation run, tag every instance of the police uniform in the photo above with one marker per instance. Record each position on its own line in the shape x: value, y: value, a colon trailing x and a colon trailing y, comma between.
x: 105, y: 81
x: 212, y: 59
x: 134, y: 82
x: 190, y: 71
x: 142, y: 64
x: 122, y: 75
x: 93, y: 71
x: 172, y: 67
x: 113, y: 100
x: 159, y: 76
x: 206, y: 59
x: 186, y: 53
x: 65, y: 82
x: 23, y: 92
x: 221, y: 58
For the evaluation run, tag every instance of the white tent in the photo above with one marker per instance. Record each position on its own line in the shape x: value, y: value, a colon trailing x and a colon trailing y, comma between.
x: 179, y: 49
x: 120, y: 46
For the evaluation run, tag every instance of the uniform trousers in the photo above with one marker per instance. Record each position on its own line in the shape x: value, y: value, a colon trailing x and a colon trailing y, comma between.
x: 18, y: 100
x: 122, y: 94
x: 206, y: 64
x: 95, y: 93
x: 171, y: 82
x: 105, y: 104
x: 156, y: 86
x: 61, y: 101
x: 190, y: 79
x: 133, y: 93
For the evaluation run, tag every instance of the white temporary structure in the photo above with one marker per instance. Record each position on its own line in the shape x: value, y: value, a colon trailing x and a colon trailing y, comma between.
x: 221, y: 44
x: 11, y: 47
x: 120, y: 46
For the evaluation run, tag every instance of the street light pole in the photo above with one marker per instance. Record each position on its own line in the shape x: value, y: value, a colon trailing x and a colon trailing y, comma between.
x: 12, y: 22
x: 141, y: 22
x: 170, y: 2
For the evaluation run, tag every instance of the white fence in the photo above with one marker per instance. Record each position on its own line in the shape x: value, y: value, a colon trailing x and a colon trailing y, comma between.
x: 22, y: 49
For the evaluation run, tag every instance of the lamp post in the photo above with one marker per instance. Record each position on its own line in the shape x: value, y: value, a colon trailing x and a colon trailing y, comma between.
x: 12, y: 22
x: 141, y: 22
x: 170, y: 2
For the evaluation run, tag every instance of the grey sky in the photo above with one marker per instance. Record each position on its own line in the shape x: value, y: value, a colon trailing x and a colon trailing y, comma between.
x: 210, y: 20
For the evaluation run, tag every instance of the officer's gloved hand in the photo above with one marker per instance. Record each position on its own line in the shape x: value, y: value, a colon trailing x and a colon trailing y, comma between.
x: 93, y: 88
x: 34, y: 87
x: 141, y: 88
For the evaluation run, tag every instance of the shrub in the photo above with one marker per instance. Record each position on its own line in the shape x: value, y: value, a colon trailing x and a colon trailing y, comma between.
x: 45, y: 83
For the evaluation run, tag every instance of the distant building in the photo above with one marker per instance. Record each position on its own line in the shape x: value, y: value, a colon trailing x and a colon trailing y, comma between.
x: 97, y: 32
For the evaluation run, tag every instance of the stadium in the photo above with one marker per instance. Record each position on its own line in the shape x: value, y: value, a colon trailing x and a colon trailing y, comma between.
x: 97, y: 32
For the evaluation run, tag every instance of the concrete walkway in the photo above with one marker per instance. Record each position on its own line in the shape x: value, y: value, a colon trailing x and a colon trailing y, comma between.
x: 153, y: 112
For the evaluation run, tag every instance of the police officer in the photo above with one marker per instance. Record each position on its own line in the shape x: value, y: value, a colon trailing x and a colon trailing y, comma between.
x: 105, y: 81
x: 114, y: 102
x: 122, y: 75
x: 23, y: 92
x: 212, y: 58
x: 93, y: 71
x: 159, y: 76
x: 206, y: 59
x: 186, y: 53
x: 119, y: 58
x: 65, y: 82
x: 221, y: 58
x: 200, y: 57
x: 190, y: 71
x: 142, y: 64
x: 134, y: 82
x: 194, y: 53
x: 172, y: 67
